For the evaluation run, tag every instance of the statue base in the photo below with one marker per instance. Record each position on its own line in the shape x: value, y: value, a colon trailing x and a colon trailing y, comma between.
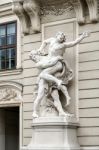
x: 53, y: 133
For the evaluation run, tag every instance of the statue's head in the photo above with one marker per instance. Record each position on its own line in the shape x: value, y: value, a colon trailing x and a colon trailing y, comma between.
x: 61, y: 37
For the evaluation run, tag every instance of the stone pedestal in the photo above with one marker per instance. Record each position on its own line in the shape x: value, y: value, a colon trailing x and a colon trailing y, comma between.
x: 53, y: 133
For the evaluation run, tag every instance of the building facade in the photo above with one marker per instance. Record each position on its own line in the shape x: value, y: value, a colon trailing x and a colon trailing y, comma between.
x: 24, y: 24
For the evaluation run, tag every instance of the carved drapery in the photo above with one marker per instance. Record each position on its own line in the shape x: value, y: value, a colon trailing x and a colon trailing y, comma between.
x: 10, y: 92
x: 30, y: 11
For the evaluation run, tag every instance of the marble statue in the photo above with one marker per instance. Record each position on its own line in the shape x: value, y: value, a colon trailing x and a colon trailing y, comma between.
x: 55, y: 72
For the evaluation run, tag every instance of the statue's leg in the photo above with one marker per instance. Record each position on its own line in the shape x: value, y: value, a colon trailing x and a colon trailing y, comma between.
x: 57, y: 102
x: 48, y: 74
x: 38, y: 98
x: 65, y: 92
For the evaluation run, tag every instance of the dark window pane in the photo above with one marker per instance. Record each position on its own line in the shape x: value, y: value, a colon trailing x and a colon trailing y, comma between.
x: 10, y: 64
x: 2, y: 35
x: 10, y: 53
x: 11, y: 39
x: 2, y: 65
x: 2, y: 54
x: 2, y: 30
x: 2, y: 41
x: 11, y: 29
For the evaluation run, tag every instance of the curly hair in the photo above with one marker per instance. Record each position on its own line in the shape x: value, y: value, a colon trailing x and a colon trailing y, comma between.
x: 64, y: 36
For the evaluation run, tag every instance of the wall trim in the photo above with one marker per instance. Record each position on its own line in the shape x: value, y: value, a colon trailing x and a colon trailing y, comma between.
x: 90, y: 148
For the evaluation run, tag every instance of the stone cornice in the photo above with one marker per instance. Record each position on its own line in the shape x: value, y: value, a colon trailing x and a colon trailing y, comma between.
x: 29, y: 11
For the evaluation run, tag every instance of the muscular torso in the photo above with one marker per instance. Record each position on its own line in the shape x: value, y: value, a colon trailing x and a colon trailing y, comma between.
x: 56, y: 49
x: 55, y: 54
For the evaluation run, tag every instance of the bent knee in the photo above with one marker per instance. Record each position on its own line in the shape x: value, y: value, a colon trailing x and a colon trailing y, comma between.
x: 42, y: 74
x: 59, y: 65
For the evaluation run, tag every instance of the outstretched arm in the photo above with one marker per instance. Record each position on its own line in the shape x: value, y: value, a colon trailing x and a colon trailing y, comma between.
x: 78, y: 40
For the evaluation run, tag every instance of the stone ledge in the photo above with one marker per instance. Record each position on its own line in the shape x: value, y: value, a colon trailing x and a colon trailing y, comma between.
x: 64, y: 121
x: 11, y: 72
x: 47, y: 148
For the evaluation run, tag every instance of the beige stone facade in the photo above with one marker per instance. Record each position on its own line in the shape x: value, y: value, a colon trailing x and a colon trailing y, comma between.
x: 72, y: 17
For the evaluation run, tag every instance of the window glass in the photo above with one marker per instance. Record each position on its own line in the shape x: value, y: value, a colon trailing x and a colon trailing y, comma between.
x: 11, y: 38
x: 2, y: 35
x: 11, y: 29
x: 2, y: 30
x: 10, y: 64
x: 2, y: 65
x: 2, y: 54
x: 8, y: 46
x: 10, y: 53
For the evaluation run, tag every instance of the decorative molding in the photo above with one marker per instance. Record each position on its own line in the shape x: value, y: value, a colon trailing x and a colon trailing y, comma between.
x: 17, y: 8
x: 11, y: 96
x: 33, y: 10
x: 93, y: 10
x: 29, y: 11
x: 79, y: 11
x: 56, y: 7
x: 60, y: 7
x: 10, y: 92
x: 11, y: 72
x: 90, y: 148
x: 7, y: 94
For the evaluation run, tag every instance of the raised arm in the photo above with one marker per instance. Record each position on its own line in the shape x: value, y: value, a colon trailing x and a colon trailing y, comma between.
x: 77, y: 41
x: 41, y: 50
x: 44, y: 44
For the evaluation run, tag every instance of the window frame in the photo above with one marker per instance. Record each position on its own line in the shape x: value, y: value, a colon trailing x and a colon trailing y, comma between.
x: 10, y: 46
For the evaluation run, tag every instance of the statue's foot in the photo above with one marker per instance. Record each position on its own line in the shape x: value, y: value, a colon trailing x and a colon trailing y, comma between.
x: 62, y: 114
x: 35, y: 115
x: 66, y: 114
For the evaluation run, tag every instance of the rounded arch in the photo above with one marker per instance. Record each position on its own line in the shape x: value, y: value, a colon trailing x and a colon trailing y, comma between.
x: 10, y: 93
x: 12, y: 84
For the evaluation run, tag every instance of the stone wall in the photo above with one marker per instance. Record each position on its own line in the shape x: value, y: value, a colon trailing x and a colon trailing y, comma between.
x: 88, y: 134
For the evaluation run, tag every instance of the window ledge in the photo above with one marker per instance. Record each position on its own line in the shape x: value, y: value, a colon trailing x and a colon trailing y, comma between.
x: 11, y: 72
